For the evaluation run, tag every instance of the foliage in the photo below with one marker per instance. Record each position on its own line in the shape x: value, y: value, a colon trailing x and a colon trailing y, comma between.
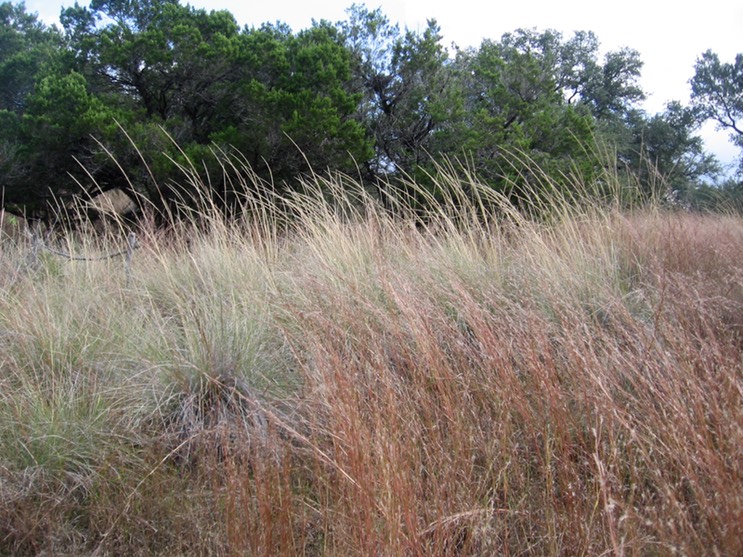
x: 133, y: 96
x: 717, y: 94
x: 664, y: 148
x: 25, y: 46
x: 27, y: 49
x: 517, y: 106
x: 407, y: 84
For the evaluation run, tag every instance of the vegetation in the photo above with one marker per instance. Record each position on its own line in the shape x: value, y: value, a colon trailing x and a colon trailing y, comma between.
x: 147, y: 86
x: 717, y: 93
x: 354, y: 381
x: 386, y: 299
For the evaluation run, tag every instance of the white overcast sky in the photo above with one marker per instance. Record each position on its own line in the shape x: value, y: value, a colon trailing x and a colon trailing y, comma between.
x: 669, y: 35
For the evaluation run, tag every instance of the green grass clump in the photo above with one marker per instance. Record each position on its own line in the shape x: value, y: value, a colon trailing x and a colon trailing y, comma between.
x: 359, y: 381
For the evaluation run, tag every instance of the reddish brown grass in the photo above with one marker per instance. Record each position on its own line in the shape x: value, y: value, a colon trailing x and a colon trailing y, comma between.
x: 574, y: 391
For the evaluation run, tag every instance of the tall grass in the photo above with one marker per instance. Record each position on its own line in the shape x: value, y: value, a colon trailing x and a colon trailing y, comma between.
x: 360, y: 381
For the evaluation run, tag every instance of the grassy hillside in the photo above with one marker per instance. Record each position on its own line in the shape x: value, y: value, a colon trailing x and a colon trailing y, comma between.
x: 357, y: 383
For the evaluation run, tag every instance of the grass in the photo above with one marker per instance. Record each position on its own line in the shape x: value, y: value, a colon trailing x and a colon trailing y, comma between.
x: 364, y: 382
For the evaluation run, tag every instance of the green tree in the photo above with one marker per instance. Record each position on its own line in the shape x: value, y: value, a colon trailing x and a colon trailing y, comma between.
x: 279, y: 99
x: 665, y: 154
x: 717, y: 94
x: 318, y: 103
x: 26, y: 45
x: 409, y: 94
x: 611, y: 89
x: 297, y: 110
x: 58, y: 152
x: 45, y: 116
x: 536, y: 104
x: 167, y: 59
x: 521, y: 115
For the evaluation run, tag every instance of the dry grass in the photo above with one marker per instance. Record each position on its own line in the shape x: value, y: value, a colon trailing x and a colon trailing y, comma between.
x: 365, y: 384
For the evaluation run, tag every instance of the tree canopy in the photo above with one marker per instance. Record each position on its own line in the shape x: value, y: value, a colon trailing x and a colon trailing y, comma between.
x: 717, y: 94
x: 125, y: 94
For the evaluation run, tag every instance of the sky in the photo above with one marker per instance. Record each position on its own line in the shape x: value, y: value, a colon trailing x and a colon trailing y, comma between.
x: 670, y: 36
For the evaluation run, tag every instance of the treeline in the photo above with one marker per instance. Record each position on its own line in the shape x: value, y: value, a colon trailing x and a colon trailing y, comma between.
x: 129, y: 93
